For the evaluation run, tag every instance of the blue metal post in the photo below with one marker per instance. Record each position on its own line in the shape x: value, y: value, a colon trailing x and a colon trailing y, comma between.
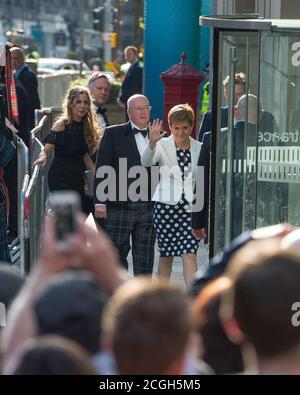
x: 206, y: 9
x: 205, y: 45
x: 171, y: 27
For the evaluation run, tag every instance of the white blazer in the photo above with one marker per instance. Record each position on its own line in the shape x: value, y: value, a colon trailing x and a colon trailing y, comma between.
x: 171, y: 186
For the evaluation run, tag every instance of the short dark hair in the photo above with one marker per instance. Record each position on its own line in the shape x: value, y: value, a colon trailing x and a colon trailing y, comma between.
x: 149, y: 323
x: 53, y: 355
x: 71, y: 306
x: 217, y: 349
x: 11, y: 283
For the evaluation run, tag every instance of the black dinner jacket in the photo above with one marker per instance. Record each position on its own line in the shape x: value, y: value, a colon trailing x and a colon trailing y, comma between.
x: 30, y: 83
x: 200, y: 218
x: 23, y: 107
x: 119, y: 142
x: 267, y: 122
x: 133, y: 82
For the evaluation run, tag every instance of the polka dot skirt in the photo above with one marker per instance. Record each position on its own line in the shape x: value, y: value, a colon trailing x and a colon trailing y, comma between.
x: 173, y: 223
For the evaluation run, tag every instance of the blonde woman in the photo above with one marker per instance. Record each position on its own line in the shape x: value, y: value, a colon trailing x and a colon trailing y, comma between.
x: 74, y: 138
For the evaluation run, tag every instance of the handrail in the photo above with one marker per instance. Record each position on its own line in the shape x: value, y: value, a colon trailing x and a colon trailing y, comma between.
x: 31, y: 185
x: 34, y: 210
x: 33, y: 195
x: 23, y: 180
x: 22, y: 228
x: 40, y: 125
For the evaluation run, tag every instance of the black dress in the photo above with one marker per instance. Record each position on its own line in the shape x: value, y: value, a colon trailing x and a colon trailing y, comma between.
x: 67, y: 169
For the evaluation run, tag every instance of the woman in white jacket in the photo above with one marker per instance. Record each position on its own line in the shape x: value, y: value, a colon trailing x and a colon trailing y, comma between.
x: 177, y: 156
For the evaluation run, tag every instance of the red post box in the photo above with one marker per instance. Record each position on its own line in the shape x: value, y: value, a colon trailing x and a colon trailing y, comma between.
x: 181, y: 83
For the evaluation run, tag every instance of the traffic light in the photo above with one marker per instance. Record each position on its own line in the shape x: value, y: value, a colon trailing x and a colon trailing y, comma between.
x: 114, y: 40
x: 98, y: 16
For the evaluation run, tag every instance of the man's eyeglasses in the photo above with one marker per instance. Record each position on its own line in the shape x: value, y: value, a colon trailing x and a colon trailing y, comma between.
x: 140, y: 108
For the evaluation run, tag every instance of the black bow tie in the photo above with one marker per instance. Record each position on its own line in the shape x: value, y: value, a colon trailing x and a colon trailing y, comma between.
x: 144, y: 132
x: 101, y: 110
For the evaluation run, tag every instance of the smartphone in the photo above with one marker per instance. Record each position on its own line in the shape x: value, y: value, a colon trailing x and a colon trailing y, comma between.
x: 65, y: 206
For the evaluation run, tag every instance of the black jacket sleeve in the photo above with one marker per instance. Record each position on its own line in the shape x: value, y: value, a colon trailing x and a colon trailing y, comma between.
x: 132, y: 84
x: 200, y: 218
x: 205, y: 125
x: 105, y: 157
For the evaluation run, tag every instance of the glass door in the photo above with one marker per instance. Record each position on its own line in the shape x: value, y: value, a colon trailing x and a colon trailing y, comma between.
x: 256, y: 152
x: 278, y: 172
x: 234, y: 154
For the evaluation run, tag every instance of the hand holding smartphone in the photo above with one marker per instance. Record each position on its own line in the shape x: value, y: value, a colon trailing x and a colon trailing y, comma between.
x: 65, y: 206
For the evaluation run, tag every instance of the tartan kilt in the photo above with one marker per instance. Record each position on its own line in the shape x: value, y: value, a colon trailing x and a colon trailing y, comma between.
x: 7, y: 150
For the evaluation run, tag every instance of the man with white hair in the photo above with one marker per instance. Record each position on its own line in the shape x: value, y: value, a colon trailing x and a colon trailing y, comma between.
x: 244, y: 136
x: 248, y: 108
x: 117, y: 178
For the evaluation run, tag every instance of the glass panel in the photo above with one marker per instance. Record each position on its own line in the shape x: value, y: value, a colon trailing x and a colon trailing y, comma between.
x: 235, y: 203
x: 278, y: 172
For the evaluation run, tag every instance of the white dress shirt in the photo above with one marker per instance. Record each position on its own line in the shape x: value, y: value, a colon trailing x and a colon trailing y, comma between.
x: 140, y: 140
x: 99, y: 116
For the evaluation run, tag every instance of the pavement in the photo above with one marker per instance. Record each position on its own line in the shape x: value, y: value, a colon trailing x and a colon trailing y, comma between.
x: 177, y: 273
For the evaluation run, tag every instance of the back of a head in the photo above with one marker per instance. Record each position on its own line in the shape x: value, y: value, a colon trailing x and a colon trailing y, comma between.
x: 10, y: 284
x: 247, y: 106
x: 53, y: 355
x: 265, y: 286
x: 217, y: 350
x: 71, y: 306
x: 149, y: 324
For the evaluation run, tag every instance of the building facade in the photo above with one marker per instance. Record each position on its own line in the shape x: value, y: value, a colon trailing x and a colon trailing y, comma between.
x: 52, y: 27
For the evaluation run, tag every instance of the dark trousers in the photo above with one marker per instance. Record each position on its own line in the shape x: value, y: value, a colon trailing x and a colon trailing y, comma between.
x: 135, y: 220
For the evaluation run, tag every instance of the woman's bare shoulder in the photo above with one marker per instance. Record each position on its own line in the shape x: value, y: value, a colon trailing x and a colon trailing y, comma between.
x: 58, y: 126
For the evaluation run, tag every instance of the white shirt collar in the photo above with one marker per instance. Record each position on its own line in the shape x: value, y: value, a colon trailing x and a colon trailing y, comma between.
x: 133, y: 126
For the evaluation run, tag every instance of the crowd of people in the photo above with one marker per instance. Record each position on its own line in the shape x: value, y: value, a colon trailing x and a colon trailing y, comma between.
x: 80, y: 312
x: 95, y: 319
x: 19, y: 99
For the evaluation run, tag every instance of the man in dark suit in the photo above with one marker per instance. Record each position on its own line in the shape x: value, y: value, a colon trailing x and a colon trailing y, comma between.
x: 28, y: 79
x: 8, y: 152
x: 133, y: 81
x: 99, y: 87
x: 200, y: 219
x: 11, y: 173
x: 23, y: 107
x: 122, y: 190
x: 266, y: 118
x: 239, y: 90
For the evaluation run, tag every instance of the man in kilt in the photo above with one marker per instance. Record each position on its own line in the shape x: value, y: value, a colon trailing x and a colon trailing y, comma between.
x: 8, y: 145
x: 7, y: 153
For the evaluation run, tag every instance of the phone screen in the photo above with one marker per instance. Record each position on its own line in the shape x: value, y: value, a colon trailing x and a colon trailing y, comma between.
x: 64, y: 221
x: 65, y: 205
